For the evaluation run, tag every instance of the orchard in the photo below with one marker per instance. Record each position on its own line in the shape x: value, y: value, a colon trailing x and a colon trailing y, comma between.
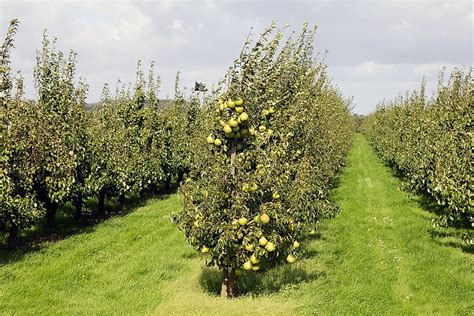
x: 248, y: 176
x: 230, y: 179
x: 257, y: 157
x: 430, y: 143
x: 55, y: 151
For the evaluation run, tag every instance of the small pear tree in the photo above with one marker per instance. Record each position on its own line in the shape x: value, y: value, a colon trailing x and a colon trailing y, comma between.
x: 79, y: 145
x: 241, y: 207
x: 57, y: 131
x: 176, y: 131
x: 19, y: 206
x: 127, y: 140
x: 106, y: 139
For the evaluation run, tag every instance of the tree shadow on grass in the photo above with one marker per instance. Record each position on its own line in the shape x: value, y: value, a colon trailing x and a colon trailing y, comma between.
x: 260, y: 283
x: 269, y: 280
x: 456, y: 234
x: 429, y: 204
x: 38, y: 237
x: 457, y: 243
x: 451, y: 233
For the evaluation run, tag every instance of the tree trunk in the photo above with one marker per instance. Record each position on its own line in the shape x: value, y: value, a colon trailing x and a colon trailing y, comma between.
x: 121, y: 200
x: 12, y: 236
x: 229, y: 278
x: 229, y: 283
x: 78, y: 206
x: 51, y: 207
x: 233, y: 154
x: 101, y: 202
x: 168, y: 184
x: 181, y: 176
x: 51, y: 210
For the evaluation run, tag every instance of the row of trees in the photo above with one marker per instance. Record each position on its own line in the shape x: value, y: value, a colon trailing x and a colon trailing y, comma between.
x: 430, y: 142
x: 270, y: 146
x: 257, y: 157
x: 54, y: 150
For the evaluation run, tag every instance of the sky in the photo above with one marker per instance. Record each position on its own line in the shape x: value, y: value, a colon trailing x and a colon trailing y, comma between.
x: 375, y: 49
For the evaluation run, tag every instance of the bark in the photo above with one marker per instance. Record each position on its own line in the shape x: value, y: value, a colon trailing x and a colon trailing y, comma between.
x: 229, y: 283
x: 121, y: 201
x: 51, y: 207
x: 101, y: 203
x: 229, y: 278
x: 168, y: 184
x: 232, y: 160
x: 78, y: 206
x: 51, y: 210
x: 181, y: 176
x: 12, y: 236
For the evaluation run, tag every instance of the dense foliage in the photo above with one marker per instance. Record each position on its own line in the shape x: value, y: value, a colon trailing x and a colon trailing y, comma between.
x: 430, y: 142
x: 55, y: 151
x: 274, y: 135
x: 258, y: 156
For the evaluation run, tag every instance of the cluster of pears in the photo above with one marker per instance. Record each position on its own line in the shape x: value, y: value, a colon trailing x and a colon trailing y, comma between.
x: 236, y: 119
x: 212, y: 140
x: 253, y: 262
x: 266, y: 113
x: 246, y: 187
x: 235, y: 126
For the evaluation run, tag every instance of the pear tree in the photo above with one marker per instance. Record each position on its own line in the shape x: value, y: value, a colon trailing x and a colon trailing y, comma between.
x: 241, y: 206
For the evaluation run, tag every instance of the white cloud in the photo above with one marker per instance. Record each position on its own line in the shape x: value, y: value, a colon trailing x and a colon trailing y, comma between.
x: 370, y: 67
x: 177, y: 26
x: 376, y: 49
x: 432, y: 69
x: 402, y: 26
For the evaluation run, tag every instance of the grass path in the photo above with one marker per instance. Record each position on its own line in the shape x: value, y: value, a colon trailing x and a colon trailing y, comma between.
x: 376, y: 256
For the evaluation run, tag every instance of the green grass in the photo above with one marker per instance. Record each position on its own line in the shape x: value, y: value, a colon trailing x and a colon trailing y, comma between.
x: 376, y: 256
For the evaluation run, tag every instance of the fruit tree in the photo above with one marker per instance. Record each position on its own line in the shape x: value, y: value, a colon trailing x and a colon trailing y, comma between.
x: 242, y: 209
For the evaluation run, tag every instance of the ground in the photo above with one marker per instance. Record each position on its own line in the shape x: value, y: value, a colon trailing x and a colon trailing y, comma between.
x: 379, y: 255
